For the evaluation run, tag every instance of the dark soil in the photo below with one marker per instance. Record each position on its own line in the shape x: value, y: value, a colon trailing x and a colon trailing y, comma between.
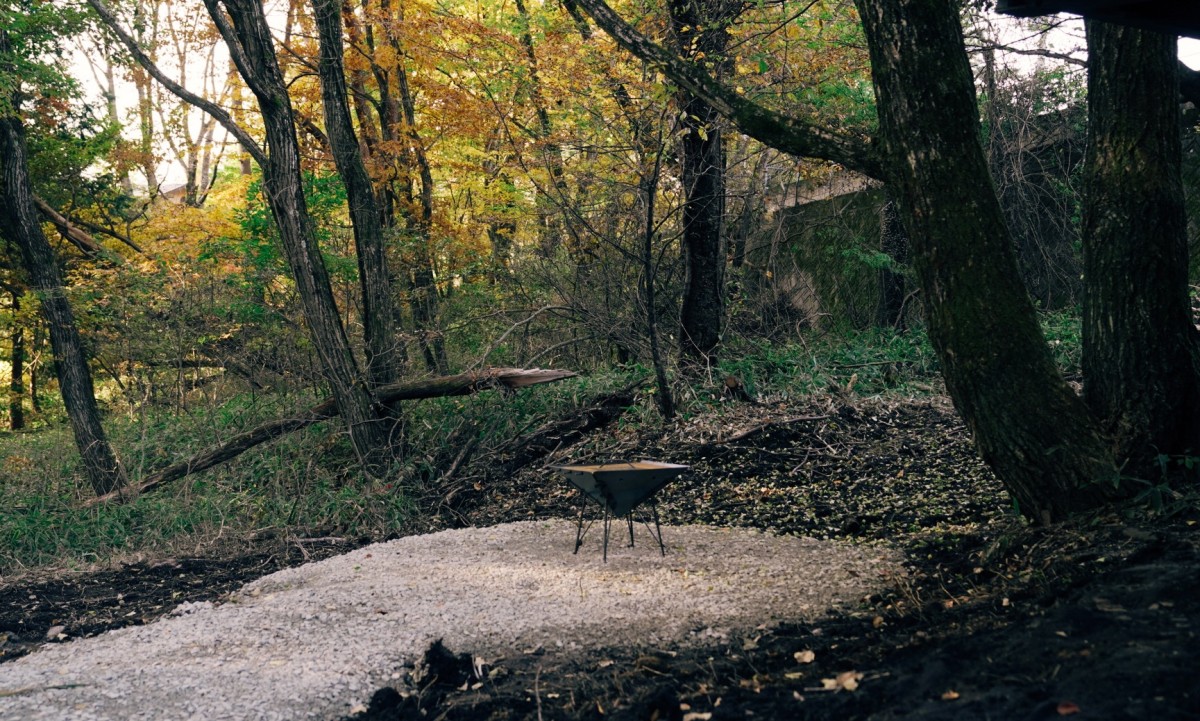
x: 1093, y: 619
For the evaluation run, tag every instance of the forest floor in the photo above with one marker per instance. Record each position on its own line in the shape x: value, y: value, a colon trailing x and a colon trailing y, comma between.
x: 1094, y: 619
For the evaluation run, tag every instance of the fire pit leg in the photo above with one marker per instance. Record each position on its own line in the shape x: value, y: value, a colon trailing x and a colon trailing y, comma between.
x: 630, y: 519
x: 606, y: 527
x: 658, y: 528
x: 579, y: 531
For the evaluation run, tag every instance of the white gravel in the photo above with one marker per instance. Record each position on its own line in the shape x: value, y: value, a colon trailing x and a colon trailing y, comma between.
x: 316, y: 640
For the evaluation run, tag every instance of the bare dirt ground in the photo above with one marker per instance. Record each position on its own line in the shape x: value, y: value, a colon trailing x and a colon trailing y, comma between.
x: 1095, y: 619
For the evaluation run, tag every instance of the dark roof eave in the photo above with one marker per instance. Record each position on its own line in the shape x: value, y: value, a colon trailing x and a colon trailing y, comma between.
x: 1168, y: 16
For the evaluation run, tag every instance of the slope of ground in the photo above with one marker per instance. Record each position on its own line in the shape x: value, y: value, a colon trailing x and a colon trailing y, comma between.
x: 1094, y: 619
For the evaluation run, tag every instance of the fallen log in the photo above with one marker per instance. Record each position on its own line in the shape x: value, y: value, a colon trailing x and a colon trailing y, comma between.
x: 441, y: 387
x: 86, y: 243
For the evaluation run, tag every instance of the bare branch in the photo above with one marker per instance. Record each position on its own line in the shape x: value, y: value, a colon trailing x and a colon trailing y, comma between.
x: 248, y: 143
x: 783, y: 132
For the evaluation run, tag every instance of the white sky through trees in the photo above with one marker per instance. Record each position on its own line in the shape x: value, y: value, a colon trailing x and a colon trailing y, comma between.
x: 1066, y: 37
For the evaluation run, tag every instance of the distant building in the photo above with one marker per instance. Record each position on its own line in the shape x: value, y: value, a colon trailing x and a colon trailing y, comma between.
x: 172, y: 192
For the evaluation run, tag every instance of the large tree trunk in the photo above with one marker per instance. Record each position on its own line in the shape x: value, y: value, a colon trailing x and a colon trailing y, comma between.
x: 253, y: 51
x: 699, y: 31
x: 1028, y: 424
x: 21, y: 226
x: 378, y: 315
x: 1140, y: 355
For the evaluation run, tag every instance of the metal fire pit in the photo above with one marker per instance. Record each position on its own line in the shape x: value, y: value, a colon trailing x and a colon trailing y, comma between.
x: 619, y: 488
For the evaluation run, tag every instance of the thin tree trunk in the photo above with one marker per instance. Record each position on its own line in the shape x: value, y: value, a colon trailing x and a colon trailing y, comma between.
x: 236, y: 105
x: 253, y: 51
x: 893, y: 242
x: 1141, y: 363
x: 34, y: 366
x: 145, y: 96
x: 424, y: 293
x: 110, y: 104
x: 1028, y: 424
x: 22, y: 227
x: 16, y: 383
x: 547, y: 208
x: 699, y: 31
x: 649, y: 191
x: 378, y: 315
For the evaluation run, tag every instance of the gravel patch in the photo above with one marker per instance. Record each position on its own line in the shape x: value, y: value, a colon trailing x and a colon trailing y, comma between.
x: 316, y: 640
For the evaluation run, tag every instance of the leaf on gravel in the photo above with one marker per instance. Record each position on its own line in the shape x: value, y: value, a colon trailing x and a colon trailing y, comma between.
x: 845, y: 681
x: 950, y: 695
x: 805, y: 656
x: 697, y: 716
x: 749, y: 644
x: 1067, y: 708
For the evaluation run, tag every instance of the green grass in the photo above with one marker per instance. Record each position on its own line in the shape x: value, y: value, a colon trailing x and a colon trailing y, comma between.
x: 307, y: 482
x: 871, y: 362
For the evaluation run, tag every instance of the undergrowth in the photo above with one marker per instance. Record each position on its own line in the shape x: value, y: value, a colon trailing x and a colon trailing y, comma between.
x: 307, y: 483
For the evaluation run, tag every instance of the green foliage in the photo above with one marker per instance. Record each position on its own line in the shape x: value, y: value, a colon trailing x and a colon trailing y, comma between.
x: 1174, y: 492
x: 1063, y: 331
x: 869, y: 362
x: 834, y: 245
x: 35, y: 64
x: 66, y: 153
x: 304, y: 482
x: 300, y: 481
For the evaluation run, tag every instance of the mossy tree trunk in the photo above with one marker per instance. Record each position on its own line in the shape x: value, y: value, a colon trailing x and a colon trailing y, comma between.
x: 20, y: 224
x: 1140, y: 353
x: 1028, y: 424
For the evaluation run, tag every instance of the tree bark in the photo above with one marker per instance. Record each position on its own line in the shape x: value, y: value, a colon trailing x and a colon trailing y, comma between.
x: 1027, y: 423
x: 889, y: 313
x: 1141, y: 361
x: 378, y: 314
x: 699, y: 30
x: 253, y: 51
x: 16, y: 382
x: 21, y: 226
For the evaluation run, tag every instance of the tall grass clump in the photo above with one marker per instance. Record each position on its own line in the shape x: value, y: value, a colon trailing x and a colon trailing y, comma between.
x: 868, y: 362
